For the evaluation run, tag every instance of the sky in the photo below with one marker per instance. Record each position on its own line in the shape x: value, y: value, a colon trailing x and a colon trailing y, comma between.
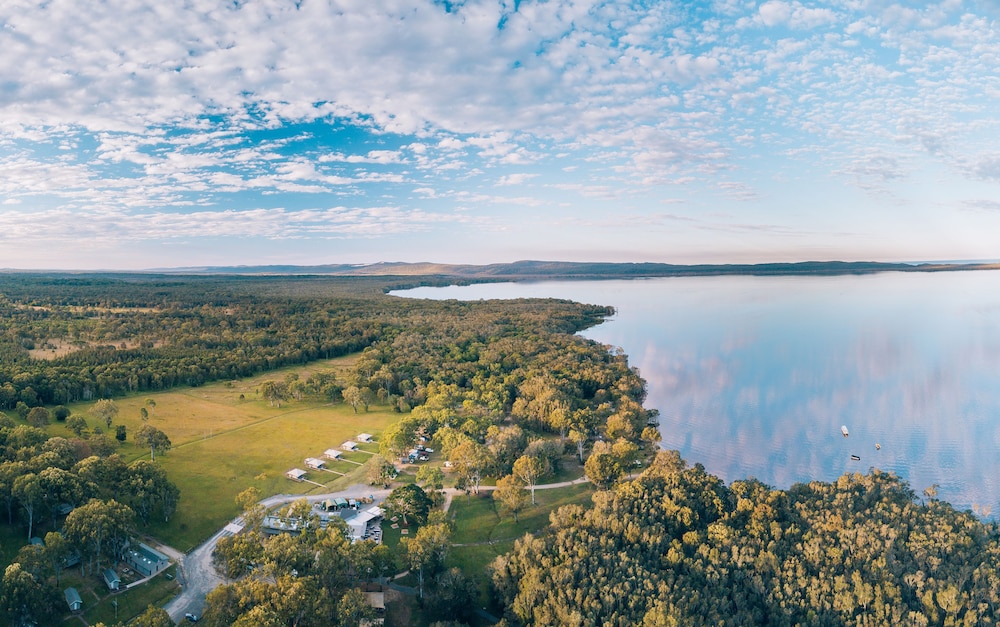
x: 138, y: 134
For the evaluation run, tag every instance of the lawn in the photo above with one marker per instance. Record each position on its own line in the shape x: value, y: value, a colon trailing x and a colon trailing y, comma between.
x: 482, y: 533
x: 99, y: 602
x: 226, y: 439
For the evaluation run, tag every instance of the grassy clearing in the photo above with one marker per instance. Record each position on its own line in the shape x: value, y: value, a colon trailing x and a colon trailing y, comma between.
x: 226, y: 439
x: 99, y: 602
x: 478, y: 519
x: 211, y: 471
x: 484, y: 533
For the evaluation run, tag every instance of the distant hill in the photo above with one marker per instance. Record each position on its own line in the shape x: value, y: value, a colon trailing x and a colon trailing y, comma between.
x: 524, y: 270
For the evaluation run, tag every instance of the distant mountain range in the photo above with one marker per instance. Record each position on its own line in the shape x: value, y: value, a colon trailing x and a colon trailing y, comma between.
x: 523, y: 270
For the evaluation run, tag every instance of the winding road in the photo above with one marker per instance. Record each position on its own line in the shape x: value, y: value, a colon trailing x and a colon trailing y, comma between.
x: 198, y: 576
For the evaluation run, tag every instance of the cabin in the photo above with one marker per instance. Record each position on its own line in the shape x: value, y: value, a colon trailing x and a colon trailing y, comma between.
x: 349, y: 445
x: 73, y: 599
x: 111, y: 579
x: 146, y: 560
x: 296, y: 474
x: 332, y: 453
x: 313, y: 462
x: 364, y: 437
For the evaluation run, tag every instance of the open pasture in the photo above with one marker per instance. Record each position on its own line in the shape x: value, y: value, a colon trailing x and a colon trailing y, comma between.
x: 226, y: 438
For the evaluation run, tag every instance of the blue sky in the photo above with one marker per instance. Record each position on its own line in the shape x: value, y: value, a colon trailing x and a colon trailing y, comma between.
x: 142, y: 135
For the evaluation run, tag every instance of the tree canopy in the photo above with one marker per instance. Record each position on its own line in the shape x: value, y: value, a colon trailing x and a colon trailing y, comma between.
x: 677, y: 546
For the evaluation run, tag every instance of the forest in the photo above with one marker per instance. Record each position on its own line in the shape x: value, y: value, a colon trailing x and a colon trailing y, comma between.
x: 507, y: 392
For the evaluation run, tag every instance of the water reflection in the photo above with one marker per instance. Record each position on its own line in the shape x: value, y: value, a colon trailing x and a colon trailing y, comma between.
x: 754, y: 376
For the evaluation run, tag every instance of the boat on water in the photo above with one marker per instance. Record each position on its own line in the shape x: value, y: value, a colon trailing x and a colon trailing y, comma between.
x: 856, y: 458
x: 843, y: 429
x: 878, y: 447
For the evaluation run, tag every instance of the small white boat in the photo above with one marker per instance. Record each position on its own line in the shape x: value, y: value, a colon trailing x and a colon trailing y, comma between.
x: 843, y: 429
x: 878, y: 447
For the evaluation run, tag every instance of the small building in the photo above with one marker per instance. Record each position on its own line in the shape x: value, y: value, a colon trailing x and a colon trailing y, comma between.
x: 296, y: 474
x: 376, y: 600
x: 111, y: 579
x: 358, y: 525
x: 313, y: 462
x: 73, y: 599
x: 364, y: 437
x: 349, y: 445
x: 145, y: 559
x: 331, y: 453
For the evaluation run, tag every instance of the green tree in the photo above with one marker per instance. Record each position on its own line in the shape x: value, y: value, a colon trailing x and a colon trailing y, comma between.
x: 60, y: 412
x: 57, y: 551
x: 152, y: 617
x: 380, y: 471
x: 470, y: 461
x: 102, y: 444
x: 603, y: 467
x: 29, y: 492
x: 156, y: 440
x: 24, y: 599
x: 275, y: 392
x: 77, y: 424
x: 121, y: 434
x: 426, y: 551
x: 253, y: 511
x: 237, y: 555
x: 38, y: 417
x: 510, y: 495
x: 143, y: 415
x: 528, y: 471
x: 452, y: 597
x: 100, y: 529
x: 106, y: 410
x: 409, y: 501
x: 354, y: 610
x: 397, y: 438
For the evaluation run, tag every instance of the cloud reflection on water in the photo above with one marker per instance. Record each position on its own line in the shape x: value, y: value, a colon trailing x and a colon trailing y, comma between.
x: 754, y: 376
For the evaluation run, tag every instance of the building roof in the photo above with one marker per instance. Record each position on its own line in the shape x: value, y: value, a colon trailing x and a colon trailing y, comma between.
x: 298, y: 473
x: 72, y: 597
x: 110, y: 575
x: 349, y: 445
x: 376, y: 599
x: 332, y: 453
x: 364, y: 437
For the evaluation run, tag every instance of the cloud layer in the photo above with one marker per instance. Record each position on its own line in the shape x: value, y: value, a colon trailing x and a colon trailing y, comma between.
x: 816, y: 125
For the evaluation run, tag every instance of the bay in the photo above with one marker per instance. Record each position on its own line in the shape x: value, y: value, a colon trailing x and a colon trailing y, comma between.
x: 754, y: 376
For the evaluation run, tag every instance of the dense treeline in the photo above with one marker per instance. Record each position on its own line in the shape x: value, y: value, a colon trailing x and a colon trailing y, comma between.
x: 75, y: 508
x: 109, y: 336
x: 677, y: 547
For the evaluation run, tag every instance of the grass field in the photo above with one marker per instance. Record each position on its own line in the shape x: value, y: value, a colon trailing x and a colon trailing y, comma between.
x: 99, y: 602
x: 226, y: 439
x: 482, y: 533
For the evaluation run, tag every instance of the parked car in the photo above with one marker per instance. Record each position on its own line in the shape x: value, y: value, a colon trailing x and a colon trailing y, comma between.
x: 191, y: 617
x: 424, y: 458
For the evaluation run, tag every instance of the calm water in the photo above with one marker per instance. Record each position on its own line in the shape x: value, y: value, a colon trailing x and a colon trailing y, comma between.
x: 754, y: 376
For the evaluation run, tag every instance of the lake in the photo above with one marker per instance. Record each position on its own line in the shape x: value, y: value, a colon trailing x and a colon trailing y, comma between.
x: 754, y: 376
